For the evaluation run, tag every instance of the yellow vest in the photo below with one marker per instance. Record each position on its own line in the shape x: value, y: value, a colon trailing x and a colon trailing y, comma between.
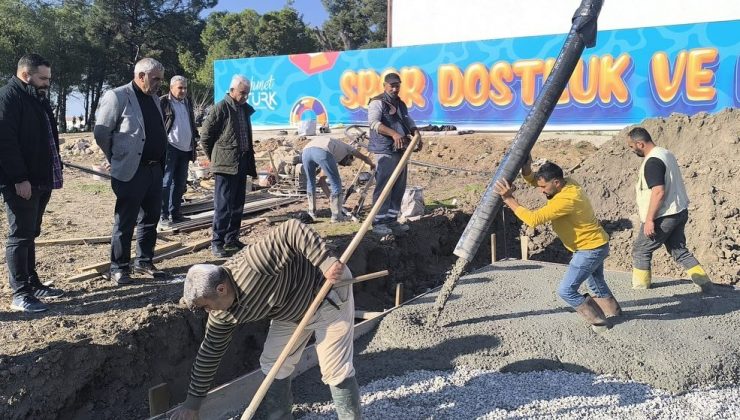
x: 675, y: 199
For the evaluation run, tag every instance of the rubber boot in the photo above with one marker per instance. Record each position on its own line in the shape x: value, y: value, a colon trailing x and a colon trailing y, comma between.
x: 311, y: 206
x: 609, y: 306
x: 641, y: 279
x: 700, y: 278
x: 591, y: 312
x: 278, y: 403
x: 336, y: 209
x: 346, y: 398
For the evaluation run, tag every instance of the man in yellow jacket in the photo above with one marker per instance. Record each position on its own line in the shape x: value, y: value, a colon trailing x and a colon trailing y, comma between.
x: 663, y: 205
x: 569, y: 210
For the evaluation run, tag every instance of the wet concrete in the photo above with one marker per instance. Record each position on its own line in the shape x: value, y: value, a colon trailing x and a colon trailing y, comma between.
x: 508, y: 318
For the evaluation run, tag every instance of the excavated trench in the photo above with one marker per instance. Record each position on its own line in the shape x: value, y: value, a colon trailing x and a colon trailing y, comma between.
x: 87, y: 380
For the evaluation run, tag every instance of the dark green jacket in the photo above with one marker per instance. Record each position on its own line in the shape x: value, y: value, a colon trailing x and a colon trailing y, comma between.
x: 219, y: 138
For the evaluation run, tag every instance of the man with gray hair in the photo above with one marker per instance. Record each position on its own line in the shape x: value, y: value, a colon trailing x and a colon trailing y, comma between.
x: 129, y: 129
x: 276, y: 278
x: 226, y: 137
x: 179, y: 122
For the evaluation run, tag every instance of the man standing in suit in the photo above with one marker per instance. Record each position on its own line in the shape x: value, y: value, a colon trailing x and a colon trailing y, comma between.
x: 179, y: 122
x: 30, y: 167
x: 129, y: 128
x: 226, y: 138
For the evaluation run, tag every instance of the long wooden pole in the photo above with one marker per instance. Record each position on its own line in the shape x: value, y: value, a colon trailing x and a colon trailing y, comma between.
x: 260, y: 394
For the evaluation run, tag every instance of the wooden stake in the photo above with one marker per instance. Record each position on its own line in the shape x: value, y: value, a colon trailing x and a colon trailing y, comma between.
x: 399, y: 294
x: 493, y: 248
x: 525, y: 247
x: 365, y: 277
x: 260, y: 394
x: 159, y: 399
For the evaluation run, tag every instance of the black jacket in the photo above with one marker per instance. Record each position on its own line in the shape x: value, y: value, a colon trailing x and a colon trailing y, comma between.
x: 169, y: 120
x: 24, y: 136
x: 219, y: 137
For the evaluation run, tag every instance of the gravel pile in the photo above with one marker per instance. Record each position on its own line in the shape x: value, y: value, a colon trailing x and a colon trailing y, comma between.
x: 470, y: 393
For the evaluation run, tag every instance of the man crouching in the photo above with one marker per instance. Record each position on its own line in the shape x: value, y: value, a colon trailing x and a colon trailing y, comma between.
x: 276, y: 278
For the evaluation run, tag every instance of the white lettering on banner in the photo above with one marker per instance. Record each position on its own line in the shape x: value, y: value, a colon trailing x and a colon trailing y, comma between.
x: 262, y: 94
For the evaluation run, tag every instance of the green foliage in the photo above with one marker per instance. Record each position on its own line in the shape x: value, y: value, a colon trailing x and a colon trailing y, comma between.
x: 354, y: 24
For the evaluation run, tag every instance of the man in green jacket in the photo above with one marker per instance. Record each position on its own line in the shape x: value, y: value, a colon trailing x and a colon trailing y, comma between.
x: 226, y: 138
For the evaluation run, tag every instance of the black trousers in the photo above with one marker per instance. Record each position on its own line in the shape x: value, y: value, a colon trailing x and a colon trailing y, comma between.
x: 24, y: 226
x: 138, y: 203
x: 228, y: 201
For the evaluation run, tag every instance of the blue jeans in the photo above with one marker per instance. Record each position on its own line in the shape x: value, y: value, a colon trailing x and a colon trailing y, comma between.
x: 314, y: 157
x: 588, y: 266
x: 174, y: 180
x: 386, y: 164
x: 228, y: 203
x: 24, y: 226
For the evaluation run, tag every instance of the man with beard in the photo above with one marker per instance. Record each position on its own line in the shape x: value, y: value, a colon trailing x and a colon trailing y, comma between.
x: 573, y: 220
x: 30, y: 167
x: 663, y: 206
x: 390, y: 131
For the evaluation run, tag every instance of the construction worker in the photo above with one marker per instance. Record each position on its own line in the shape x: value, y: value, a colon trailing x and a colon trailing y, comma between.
x: 662, y: 203
x: 569, y: 210
x: 276, y: 278
x: 326, y: 153
x: 390, y: 131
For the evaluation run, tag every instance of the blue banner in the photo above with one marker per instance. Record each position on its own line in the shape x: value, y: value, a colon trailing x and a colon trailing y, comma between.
x: 630, y: 75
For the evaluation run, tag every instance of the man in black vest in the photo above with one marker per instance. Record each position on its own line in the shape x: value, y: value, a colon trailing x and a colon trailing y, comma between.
x: 30, y: 167
x: 390, y: 131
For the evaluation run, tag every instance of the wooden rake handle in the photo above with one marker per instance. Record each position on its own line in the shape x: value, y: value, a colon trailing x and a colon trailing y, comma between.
x: 260, y: 394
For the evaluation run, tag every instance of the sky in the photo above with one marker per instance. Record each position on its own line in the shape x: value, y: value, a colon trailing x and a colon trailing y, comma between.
x: 313, y: 13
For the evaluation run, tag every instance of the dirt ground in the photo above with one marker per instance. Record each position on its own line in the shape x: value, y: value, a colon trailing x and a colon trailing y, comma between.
x: 116, y: 342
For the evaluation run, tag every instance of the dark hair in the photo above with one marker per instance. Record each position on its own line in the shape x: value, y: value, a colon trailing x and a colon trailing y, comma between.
x: 549, y: 171
x: 640, y: 134
x: 32, y: 62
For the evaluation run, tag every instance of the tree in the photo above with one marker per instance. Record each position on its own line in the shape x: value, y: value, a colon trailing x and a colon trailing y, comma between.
x: 284, y: 32
x: 354, y: 24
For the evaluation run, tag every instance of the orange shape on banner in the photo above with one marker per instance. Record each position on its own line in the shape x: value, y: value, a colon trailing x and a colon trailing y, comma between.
x: 313, y: 63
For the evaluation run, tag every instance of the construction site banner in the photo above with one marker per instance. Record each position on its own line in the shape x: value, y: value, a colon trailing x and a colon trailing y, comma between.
x: 630, y: 75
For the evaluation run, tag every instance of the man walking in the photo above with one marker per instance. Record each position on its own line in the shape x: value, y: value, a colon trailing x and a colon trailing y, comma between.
x: 226, y: 138
x: 276, y: 278
x: 573, y: 220
x: 327, y: 153
x: 130, y: 130
x: 179, y: 122
x: 30, y: 167
x: 663, y: 206
x: 390, y: 131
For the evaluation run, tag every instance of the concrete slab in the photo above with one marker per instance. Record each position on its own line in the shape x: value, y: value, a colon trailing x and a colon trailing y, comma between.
x: 508, y: 318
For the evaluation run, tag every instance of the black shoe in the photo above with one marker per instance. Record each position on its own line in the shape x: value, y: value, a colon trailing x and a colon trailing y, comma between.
x: 28, y: 304
x: 121, y: 277
x: 46, y: 292
x: 219, y: 251
x: 236, y: 245
x: 148, y: 269
x: 179, y: 219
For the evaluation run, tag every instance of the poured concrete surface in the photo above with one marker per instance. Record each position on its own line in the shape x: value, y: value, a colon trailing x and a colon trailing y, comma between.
x: 508, y: 318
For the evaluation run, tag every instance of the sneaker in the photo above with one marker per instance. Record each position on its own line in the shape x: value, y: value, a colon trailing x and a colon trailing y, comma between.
x: 219, y: 251
x: 28, y: 304
x: 236, y: 245
x: 382, y: 230
x: 164, y: 223
x: 179, y: 219
x: 148, y: 269
x: 400, y: 227
x: 46, y: 292
x: 121, y: 277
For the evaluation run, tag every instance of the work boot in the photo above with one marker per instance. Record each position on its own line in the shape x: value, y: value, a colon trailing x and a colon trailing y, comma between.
x: 335, y: 204
x: 311, y: 206
x: 641, y: 279
x: 591, y: 312
x: 279, y: 400
x: 346, y: 398
x: 609, y: 306
x: 700, y: 278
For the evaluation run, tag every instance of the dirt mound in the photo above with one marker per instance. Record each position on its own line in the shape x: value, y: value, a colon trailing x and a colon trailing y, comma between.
x: 706, y: 147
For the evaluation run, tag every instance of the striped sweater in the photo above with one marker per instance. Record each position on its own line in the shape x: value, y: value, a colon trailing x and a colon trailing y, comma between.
x: 275, y: 278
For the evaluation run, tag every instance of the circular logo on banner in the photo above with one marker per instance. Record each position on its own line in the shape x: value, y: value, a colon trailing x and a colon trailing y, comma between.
x: 309, y: 108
